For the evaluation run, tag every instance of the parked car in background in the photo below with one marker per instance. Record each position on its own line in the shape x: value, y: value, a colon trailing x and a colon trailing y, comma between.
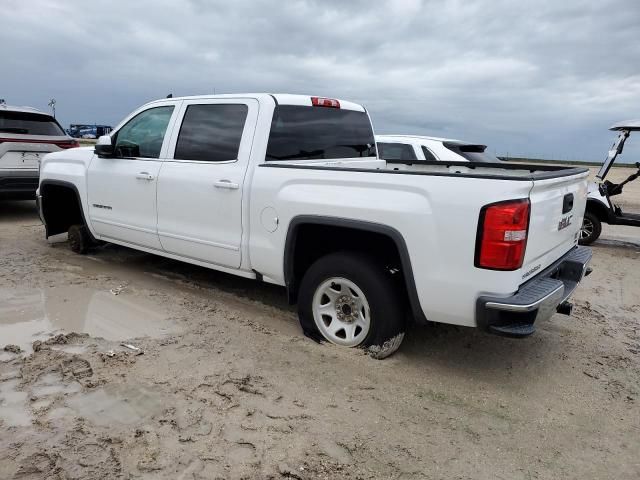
x: 288, y: 189
x: 26, y: 135
x: 600, y: 208
x: 415, y: 147
x: 88, y: 131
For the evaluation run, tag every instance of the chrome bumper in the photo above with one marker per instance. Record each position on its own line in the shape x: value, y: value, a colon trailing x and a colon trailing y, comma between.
x: 536, y: 300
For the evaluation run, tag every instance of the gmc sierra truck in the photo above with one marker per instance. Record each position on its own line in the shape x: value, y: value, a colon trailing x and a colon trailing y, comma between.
x: 288, y: 189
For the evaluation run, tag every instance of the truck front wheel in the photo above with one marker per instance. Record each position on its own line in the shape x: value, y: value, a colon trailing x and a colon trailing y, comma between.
x: 79, y: 239
x: 349, y: 300
x: 591, y: 228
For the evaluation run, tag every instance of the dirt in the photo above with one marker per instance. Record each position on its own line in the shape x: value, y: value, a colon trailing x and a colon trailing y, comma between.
x: 221, y: 383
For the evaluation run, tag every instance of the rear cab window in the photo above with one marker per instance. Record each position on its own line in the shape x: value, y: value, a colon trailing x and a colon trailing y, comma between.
x: 396, y: 151
x: 27, y: 123
x: 301, y: 132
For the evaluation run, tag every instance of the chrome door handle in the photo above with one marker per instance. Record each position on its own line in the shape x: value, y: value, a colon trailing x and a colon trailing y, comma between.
x: 144, y: 176
x: 226, y: 184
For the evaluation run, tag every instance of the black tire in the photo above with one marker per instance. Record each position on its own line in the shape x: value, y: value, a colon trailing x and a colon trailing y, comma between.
x: 79, y: 239
x: 387, y: 312
x: 591, y: 229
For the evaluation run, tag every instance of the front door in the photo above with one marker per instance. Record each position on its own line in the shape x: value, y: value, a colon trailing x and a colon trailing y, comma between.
x: 200, y: 189
x: 122, y: 188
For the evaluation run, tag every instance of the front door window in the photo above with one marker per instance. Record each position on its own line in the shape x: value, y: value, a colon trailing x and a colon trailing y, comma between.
x: 142, y: 136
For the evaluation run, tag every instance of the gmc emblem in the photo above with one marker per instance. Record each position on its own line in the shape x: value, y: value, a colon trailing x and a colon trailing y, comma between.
x: 565, y: 222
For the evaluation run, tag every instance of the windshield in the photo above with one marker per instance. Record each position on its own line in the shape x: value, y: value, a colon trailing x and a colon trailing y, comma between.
x: 300, y: 132
x: 623, y: 143
x: 473, y: 153
x: 27, y: 123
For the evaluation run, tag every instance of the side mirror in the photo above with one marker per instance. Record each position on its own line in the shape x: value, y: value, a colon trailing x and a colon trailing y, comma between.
x: 104, y: 148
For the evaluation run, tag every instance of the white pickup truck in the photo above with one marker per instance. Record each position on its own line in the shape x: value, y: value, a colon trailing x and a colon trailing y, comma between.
x: 289, y: 189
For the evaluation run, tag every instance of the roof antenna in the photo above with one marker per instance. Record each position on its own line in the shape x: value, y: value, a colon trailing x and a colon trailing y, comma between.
x: 170, y: 95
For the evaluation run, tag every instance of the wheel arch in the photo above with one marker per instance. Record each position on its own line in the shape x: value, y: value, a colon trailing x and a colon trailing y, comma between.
x: 293, y: 275
x: 51, y: 196
x: 599, y: 208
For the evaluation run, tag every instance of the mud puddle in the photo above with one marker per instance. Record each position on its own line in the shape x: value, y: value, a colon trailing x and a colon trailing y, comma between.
x: 115, y: 404
x: 13, y: 411
x: 27, y: 315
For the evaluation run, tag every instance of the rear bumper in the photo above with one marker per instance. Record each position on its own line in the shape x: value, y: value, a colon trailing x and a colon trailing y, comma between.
x: 18, y: 184
x: 536, y: 300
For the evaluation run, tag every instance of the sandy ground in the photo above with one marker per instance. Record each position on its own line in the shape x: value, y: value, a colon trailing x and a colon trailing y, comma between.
x: 225, y: 385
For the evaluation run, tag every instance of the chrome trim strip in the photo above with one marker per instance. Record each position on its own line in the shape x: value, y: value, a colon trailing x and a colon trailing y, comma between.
x: 121, y: 225
x: 197, y: 240
x: 523, y: 308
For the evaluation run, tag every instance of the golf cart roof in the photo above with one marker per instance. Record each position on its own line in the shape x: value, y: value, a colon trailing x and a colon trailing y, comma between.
x: 624, y: 129
x: 630, y: 125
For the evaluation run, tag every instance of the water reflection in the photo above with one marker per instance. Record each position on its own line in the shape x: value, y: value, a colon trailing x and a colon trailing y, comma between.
x: 27, y: 315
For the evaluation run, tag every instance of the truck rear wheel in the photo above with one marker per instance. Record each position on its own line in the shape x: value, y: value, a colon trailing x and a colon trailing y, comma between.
x: 349, y: 300
x: 590, y: 230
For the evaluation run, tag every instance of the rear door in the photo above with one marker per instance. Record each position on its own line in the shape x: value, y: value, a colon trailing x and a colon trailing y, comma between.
x: 200, y: 189
x: 557, y: 208
x: 122, y: 188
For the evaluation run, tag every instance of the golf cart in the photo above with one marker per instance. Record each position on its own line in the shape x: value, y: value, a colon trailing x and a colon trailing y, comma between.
x: 600, y: 208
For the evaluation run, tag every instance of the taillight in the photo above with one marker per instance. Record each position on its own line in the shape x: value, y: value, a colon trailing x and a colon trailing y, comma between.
x: 502, y: 235
x: 61, y: 143
x: 325, y: 102
x: 69, y: 144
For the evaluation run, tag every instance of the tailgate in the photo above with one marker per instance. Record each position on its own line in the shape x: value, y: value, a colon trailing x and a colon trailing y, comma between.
x: 25, y: 155
x: 557, y: 208
x: 21, y: 160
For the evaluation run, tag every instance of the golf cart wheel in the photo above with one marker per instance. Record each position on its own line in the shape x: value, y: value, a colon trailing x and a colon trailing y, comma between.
x: 79, y: 239
x: 590, y: 230
x: 348, y: 299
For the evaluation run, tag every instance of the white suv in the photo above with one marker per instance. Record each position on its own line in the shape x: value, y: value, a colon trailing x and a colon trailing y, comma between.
x: 414, y: 147
x: 26, y: 135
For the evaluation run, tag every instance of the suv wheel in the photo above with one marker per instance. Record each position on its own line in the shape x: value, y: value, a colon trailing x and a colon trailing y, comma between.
x: 349, y: 300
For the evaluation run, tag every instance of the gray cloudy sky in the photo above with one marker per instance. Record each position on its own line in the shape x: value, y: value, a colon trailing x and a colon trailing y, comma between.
x: 538, y: 78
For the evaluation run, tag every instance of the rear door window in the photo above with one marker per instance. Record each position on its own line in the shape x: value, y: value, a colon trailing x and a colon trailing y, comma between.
x: 27, y: 123
x: 396, y: 151
x: 211, y: 132
x: 301, y: 132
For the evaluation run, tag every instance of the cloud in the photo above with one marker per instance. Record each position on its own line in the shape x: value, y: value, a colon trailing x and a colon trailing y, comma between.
x: 542, y: 78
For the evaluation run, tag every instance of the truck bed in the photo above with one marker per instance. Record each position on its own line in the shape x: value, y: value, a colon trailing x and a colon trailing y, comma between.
x: 494, y: 171
x: 436, y: 206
